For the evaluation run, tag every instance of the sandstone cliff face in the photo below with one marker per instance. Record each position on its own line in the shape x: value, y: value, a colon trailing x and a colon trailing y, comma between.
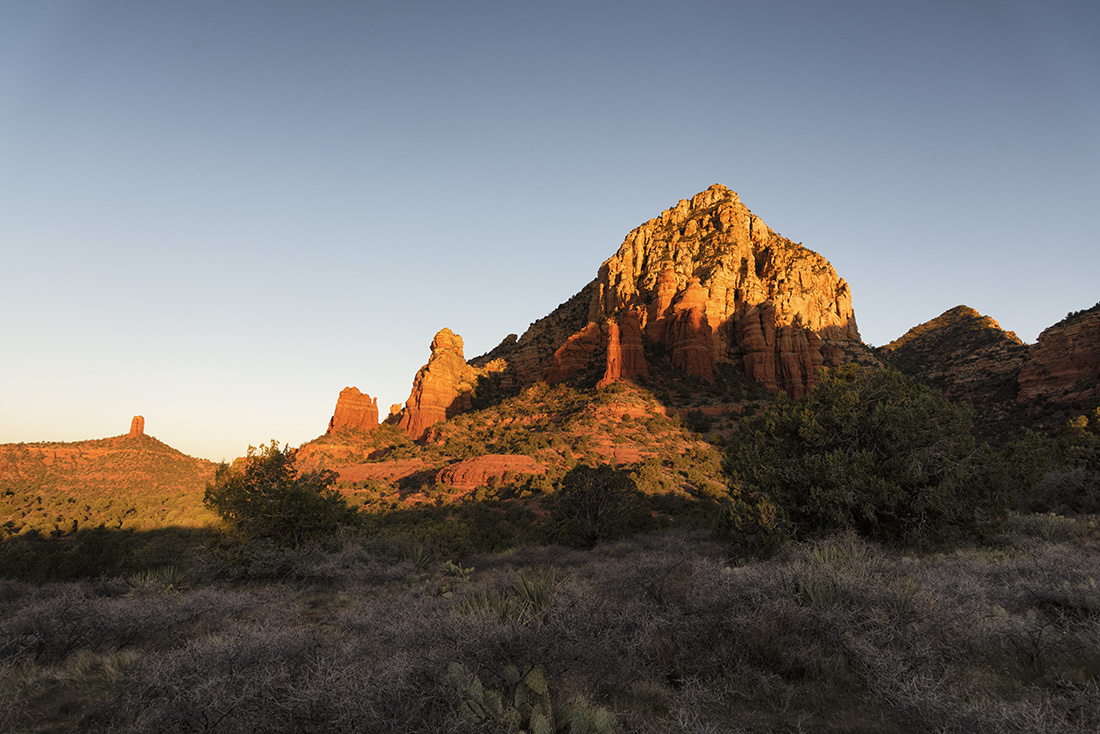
x: 710, y: 282
x: 1064, y: 365
x: 444, y: 387
x: 354, y: 411
x: 478, y: 471
x: 625, y: 350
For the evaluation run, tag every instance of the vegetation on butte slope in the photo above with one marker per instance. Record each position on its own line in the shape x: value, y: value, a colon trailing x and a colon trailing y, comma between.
x: 132, y: 482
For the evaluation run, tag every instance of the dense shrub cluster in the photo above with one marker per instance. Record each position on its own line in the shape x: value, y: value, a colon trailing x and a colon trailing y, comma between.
x: 266, y: 497
x: 869, y: 450
x: 1072, y: 486
x: 595, y: 503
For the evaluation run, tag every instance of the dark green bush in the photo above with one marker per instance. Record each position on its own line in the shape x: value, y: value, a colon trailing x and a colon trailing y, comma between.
x: 1072, y: 486
x: 594, y: 503
x: 873, y: 451
x: 266, y: 497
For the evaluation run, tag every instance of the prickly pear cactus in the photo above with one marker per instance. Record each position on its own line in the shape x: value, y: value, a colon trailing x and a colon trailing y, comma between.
x: 525, y: 706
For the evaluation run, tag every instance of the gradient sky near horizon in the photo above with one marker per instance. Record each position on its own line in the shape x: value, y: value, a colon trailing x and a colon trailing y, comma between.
x: 219, y: 214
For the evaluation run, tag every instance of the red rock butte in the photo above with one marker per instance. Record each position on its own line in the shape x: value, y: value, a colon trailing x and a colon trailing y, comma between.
x: 354, y: 411
x: 708, y: 282
x: 441, y: 389
x: 137, y: 427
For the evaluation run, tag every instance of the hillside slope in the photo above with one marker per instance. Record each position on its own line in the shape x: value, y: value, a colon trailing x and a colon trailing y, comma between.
x: 129, y: 481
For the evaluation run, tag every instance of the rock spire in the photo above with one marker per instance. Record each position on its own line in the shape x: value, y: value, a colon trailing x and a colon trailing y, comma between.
x: 137, y: 427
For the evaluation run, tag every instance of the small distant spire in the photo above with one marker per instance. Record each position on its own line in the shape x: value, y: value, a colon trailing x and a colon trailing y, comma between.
x: 137, y: 426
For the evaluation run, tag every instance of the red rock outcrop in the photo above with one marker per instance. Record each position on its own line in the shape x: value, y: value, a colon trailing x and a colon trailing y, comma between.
x: 354, y: 411
x: 625, y: 350
x: 1064, y: 365
x: 688, y: 334
x: 716, y: 284
x: 576, y: 354
x: 442, y: 388
x: 479, y: 471
x: 386, y: 471
x: 137, y: 427
x: 709, y: 283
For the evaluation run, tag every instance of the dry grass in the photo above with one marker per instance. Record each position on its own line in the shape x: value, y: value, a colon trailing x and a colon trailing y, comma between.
x: 663, y: 629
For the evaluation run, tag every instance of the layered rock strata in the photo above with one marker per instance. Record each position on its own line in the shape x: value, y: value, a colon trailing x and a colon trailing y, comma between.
x: 444, y: 387
x: 481, y: 471
x: 709, y: 282
x: 1064, y: 365
x: 354, y: 411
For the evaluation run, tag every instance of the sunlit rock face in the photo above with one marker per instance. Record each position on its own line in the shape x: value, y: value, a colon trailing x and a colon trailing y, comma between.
x: 442, y: 388
x: 710, y: 282
x: 1064, y: 365
x: 137, y: 427
x: 354, y: 411
x: 481, y: 471
x: 625, y: 350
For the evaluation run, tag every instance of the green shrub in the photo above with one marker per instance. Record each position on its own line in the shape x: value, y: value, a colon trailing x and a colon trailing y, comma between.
x: 594, y: 503
x: 265, y: 497
x: 873, y: 451
x: 1072, y: 486
x: 751, y: 524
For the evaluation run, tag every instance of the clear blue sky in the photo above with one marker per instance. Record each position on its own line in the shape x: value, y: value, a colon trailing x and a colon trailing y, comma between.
x: 218, y: 214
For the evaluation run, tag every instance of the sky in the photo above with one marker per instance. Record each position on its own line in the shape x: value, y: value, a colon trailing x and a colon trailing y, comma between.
x: 219, y: 214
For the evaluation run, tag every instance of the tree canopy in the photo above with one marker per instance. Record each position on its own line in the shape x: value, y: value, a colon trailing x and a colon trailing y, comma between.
x: 265, y: 496
x: 870, y: 450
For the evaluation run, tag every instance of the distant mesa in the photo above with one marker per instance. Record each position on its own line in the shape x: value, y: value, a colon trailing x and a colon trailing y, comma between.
x: 137, y: 427
x: 354, y: 411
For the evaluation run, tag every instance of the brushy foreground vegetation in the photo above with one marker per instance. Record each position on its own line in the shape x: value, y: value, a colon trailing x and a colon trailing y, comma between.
x: 892, y: 591
x: 663, y: 632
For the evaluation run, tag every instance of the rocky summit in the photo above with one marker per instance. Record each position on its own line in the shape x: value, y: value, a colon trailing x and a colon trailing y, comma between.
x: 442, y: 388
x: 966, y: 356
x: 707, y: 282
